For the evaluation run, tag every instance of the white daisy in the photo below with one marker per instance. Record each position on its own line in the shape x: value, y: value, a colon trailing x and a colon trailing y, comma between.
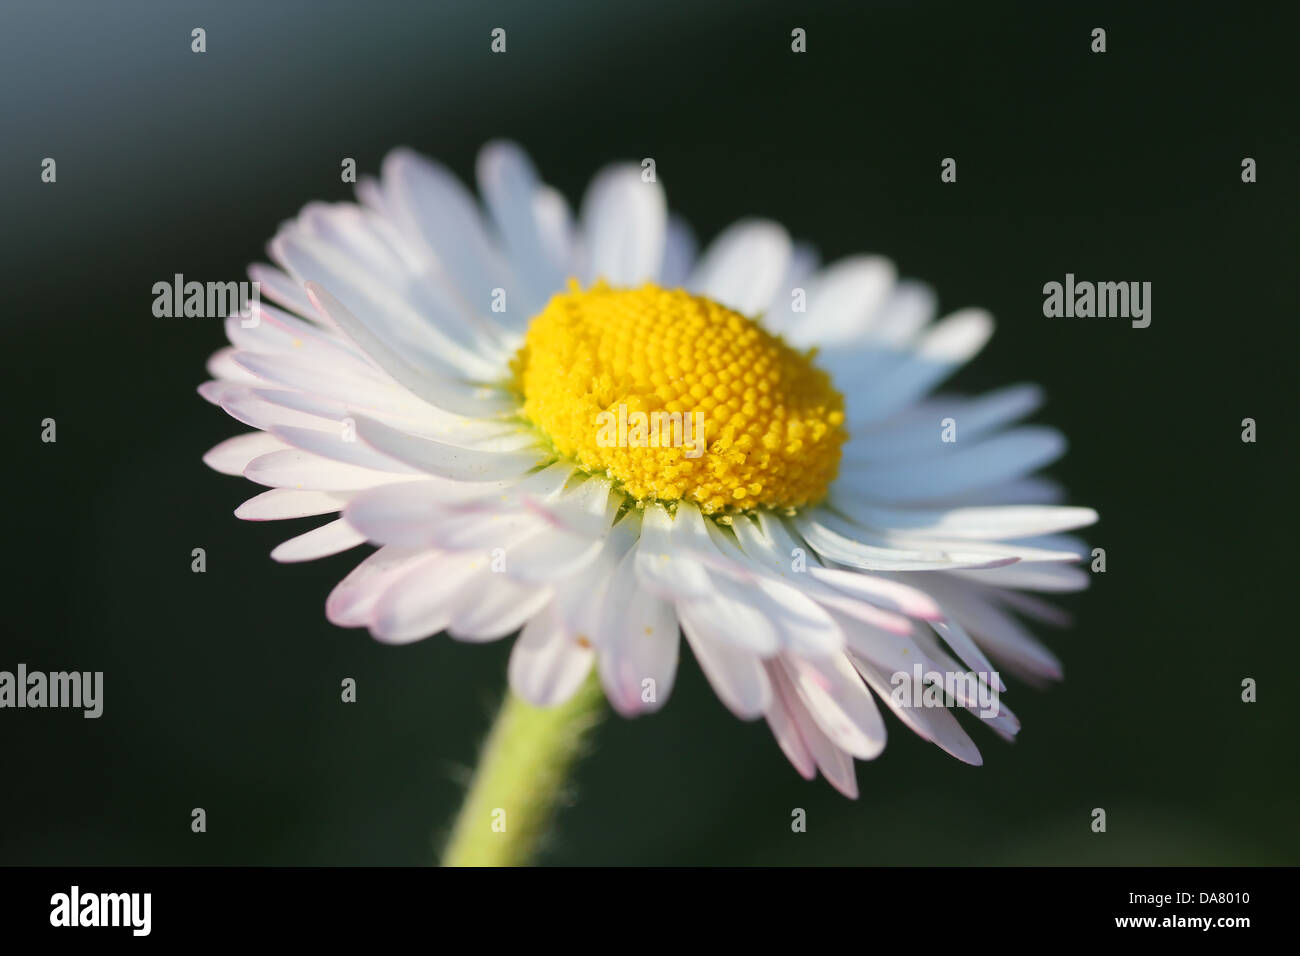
x: 433, y: 375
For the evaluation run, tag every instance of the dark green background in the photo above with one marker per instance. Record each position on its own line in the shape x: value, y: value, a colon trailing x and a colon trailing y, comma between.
x: 222, y: 689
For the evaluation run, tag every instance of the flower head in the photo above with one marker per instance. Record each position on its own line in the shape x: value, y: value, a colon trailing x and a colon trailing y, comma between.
x: 580, y: 429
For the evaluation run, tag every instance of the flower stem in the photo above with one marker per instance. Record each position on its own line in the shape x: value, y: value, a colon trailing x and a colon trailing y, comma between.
x: 520, y: 778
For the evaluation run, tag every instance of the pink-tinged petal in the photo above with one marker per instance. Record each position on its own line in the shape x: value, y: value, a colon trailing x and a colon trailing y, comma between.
x: 836, y: 765
x: 319, y: 543
x: 294, y: 468
x: 281, y: 503
x: 495, y: 608
x: 840, y: 703
x: 233, y: 455
x: 442, y: 387
x: 279, y: 287
x: 737, y: 676
x: 223, y: 367
x: 935, y: 724
x: 417, y: 602
x: 353, y: 599
x: 891, y: 595
x: 780, y: 719
x: 547, y: 666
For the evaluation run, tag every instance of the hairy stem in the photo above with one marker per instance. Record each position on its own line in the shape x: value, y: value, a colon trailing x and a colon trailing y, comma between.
x: 520, y: 778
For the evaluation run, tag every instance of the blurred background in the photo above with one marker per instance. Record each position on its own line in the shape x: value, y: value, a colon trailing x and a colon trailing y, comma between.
x: 222, y: 689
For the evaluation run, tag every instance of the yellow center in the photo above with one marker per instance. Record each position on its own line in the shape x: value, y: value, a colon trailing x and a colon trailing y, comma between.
x: 674, y: 396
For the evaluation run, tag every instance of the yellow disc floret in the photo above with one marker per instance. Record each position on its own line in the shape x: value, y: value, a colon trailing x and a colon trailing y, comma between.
x: 674, y: 396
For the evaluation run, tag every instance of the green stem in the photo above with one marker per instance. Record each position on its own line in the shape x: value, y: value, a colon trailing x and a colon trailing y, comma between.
x: 520, y: 778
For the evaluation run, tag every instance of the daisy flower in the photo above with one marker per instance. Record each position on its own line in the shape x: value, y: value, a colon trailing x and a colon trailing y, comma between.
x: 578, y: 429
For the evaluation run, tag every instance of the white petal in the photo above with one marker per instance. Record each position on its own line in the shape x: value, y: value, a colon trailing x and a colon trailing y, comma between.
x: 991, y: 524
x: 338, y: 444
x: 293, y: 468
x: 547, y: 666
x: 586, y: 510
x: 271, y: 331
x: 842, y: 301
x: 279, y: 287
x: 418, y: 601
x: 1040, y: 548
x: 446, y: 461
x: 319, y: 543
x: 742, y: 267
x: 1023, y: 491
x: 501, y: 606
x: 482, y: 526
x: 725, y: 618
x: 781, y: 316
x: 918, y: 431
x: 1060, y: 578
x: 966, y: 649
x: 437, y: 388
x: 1033, y: 607
x: 252, y: 407
x: 935, y: 724
x: 418, y: 314
x: 408, y: 514
x: 430, y: 202
x: 737, y: 677
x: 233, y: 455
x: 943, y: 349
x: 885, y: 342
x: 972, y: 698
x: 679, y: 253
x: 519, y: 203
x: 910, y: 307
x: 769, y: 544
x: 1005, y: 638
x: 353, y: 599
x: 802, y: 625
x: 1000, y: 459
x: 550, y: 555
x: 640, y: 645
x: 881, y: 591
x: 222, y: 366
x: 836, y: 765
x: 786, y: 731
x: 888, y: 651
x: 281, y: 503
x: 788, y: 738
x: 859, y: 548
x: 353, y: 387
x: 665, y: 560
x: 839, y: 702
x: 624, y: 225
